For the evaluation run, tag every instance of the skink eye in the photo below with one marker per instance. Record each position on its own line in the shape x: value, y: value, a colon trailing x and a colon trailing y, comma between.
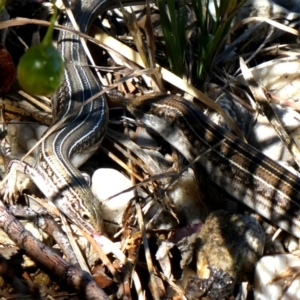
x: 85, y: 217
x: 146, y: 108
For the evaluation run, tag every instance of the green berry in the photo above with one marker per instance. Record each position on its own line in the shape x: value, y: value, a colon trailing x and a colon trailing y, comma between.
x: 41, y: 70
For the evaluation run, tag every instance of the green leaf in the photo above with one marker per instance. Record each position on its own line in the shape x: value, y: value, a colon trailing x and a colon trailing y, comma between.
x: 226, y: 7
x: 2, y: 4
x: 173, y: 22
x: 213, y: 26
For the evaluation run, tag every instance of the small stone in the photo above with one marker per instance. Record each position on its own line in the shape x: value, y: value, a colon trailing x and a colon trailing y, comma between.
x: 187, y: 199
x: 42, y: 279
x: 264, y: 8
x: 230, y: 242
x: 291, y: 243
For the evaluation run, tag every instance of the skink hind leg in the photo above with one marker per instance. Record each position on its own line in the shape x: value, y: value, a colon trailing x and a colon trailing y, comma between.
x: 8, y: 186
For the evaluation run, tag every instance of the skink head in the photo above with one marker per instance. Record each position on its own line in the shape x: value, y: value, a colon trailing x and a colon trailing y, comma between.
x: 152, y: 110
x: 85, y: 215
x: 171, y: 117
x: 90, y: 217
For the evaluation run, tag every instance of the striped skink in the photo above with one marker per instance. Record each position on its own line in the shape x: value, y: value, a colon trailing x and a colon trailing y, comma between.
x: 239, y: 169
x: 55, y: 173
x: 245, y: 173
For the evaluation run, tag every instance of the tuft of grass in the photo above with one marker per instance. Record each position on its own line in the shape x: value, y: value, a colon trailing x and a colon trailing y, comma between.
x: 213, y: 24
x: 173, y: 23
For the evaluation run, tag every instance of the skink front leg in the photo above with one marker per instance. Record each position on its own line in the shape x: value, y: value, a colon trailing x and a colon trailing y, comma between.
x: 10, y: 185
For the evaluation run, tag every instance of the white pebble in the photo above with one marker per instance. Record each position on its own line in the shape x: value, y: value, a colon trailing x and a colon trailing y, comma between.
x: 291, y: 243
x: 30, y: 143
x: 106, y: 183
x: 25, y: 133
x: 188, y: 204
x: 268, y: 270
x: 40, y: 130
